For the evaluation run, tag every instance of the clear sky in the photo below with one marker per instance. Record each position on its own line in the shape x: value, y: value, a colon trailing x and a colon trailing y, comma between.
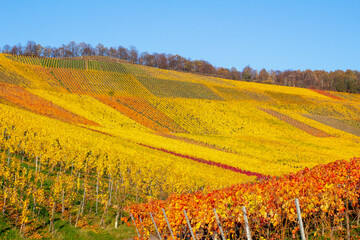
x: 271, y: 34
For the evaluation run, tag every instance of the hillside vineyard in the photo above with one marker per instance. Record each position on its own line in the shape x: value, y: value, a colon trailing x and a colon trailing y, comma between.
x: 89, y: 141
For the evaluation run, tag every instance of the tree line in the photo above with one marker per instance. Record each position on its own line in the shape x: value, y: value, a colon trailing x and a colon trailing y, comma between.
x: 339, y: 80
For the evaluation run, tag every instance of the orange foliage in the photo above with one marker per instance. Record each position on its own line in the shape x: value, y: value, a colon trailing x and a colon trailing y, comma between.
x: 324, y: 192
x: 21, y: 97
x: 73, y: 80
x: 141, y: 111
x: 327, y: 94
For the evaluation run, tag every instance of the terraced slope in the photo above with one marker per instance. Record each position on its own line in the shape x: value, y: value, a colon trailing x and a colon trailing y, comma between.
x: 226, y: 117
x: 102, y: 133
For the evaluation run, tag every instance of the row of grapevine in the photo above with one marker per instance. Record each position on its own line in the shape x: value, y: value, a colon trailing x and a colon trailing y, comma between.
x: 142, y: 72
x: 128, y: 110
x: 232, y: 93
x: 327, y: 94
x: 208, y: 119
x: 30, y: 75
x: 340, y: 124
x: 328, y: 194
x: 56, y: 180
x: 197, y: 142
x: 151, y: 72
x: 177, y: 89
x: 347, y: 96
x: 270, y: 97
x: 50, y: 62
x: 259, y: 176
x: 202, y: 117
x: 107, y: 66
x: 70, y: 63
x: 147, y: 109
x: 72, y: 80
x: 300, y: 125
x: 25, y: 59
x: 6, y: 77
x: 184, y: 118
x: 287, y: 98
x: 22, y: 98
x: 103, y: 83
x: 173, y: 84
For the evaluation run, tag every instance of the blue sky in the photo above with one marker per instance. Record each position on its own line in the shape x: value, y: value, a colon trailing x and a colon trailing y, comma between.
x: 269, y: 34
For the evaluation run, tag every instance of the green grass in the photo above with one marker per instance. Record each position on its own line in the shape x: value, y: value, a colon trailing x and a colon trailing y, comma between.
x: 63, y: 230
x: 7, y: 231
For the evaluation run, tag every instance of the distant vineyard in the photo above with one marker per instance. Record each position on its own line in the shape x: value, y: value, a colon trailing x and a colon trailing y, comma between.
x: 241, y: 94
x: 327, y: 94
x: 172, y: 88
x: 51, y: 62
x: 302, y: 126
x: 287, y: 98
x: 144, y: 113
x: 25, y: 99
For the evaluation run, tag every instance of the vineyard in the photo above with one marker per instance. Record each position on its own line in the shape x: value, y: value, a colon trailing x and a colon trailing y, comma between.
x: 328, y: 193
x: 86, y: 141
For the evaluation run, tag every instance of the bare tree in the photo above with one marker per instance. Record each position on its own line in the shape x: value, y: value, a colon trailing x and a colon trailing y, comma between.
x: 14, y: 50
x: 6, y: 48
x: 236, y: 75
x: 263, y: 75
x: 82, y: 46
x: 133, y: 54
x: 55, y: 52
x: 100, y: 50
x: 87, y: 50
x: 148, y: 59
x: 224, y: 73
x: 20, y: 49
x: 176, y: 62
x: 113, y: 52
x: 33, y: 49
x: 161, y: 61
x: 189, y: 65
x: 123, y: 53
x: 48, y: 51
x: 203, y: 67
x: 73, y: 48
x: 247, y: 73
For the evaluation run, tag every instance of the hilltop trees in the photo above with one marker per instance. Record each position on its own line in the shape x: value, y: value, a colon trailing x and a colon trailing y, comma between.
x: 348, y: 81
x: 16, y: 49
x: 101, y: 50
x: 263, y: 75
x: 33, y: 49
x: 133, y: 54
x: 123, y: 53
x: 247, y: 73
x: 6, y: 48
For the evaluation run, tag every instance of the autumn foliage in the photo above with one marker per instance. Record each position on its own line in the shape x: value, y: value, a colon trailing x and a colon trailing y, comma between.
x: 328, y: 195
x: 23, y: 98
x: 300, y: 125
x: 131, y: 134
x: 143, y: 112
x: 327, y: 94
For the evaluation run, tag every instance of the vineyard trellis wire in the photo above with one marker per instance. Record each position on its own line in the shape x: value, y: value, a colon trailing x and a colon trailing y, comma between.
x: 140, y: 228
